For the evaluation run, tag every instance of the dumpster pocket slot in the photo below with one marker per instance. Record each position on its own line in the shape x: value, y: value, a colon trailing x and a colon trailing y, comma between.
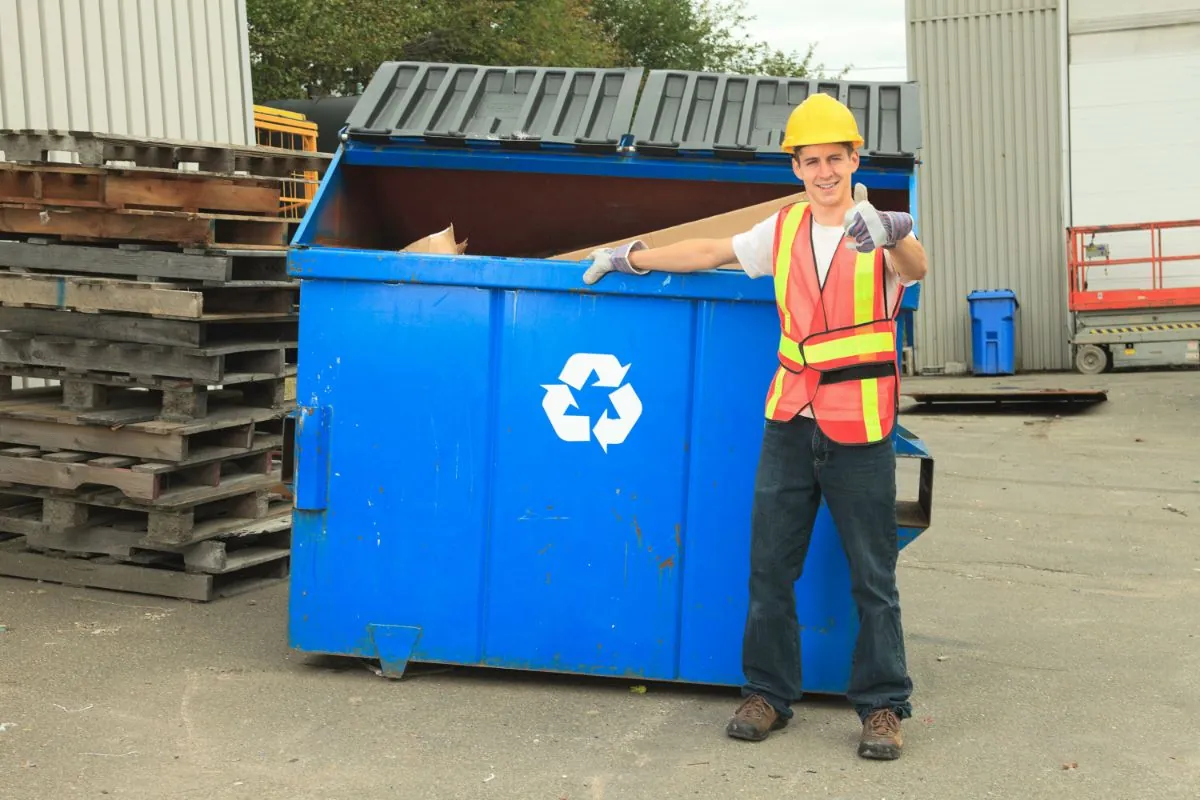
x: 312, y: 458
x: 914, y: 514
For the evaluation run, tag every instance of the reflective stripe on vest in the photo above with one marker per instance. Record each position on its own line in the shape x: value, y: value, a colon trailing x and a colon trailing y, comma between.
x: 872, y: 343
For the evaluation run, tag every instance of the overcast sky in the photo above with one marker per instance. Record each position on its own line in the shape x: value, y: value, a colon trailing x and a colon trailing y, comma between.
x: 869, y: 34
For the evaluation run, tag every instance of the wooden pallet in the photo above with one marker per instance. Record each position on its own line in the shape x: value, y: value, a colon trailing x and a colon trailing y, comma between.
x: 179, y: 516
x: 263, y: 540
x: 137, y: 479
x: 144, y: 262
x: 156, y: 299
x: 45, y: 424
x: 213, y: 330
x: 243, y: 570
x: 182, y: 228
x: 75, y: 186
x: 229, y: 381
x: 117, y: 399
x: 211, y: 364
x: 98, y: 149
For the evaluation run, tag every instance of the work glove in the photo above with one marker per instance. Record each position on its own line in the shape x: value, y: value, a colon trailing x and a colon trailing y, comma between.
x: 608, y: 259
x: 870, y: 228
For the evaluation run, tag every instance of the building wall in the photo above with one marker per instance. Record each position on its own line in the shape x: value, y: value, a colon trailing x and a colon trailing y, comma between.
x: 991, y: 182
x: 1134, y: 123
x: 177, y: 69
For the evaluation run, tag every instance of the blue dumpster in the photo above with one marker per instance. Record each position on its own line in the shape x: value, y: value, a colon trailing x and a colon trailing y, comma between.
x: 993, y: 332
x: 497, y: 465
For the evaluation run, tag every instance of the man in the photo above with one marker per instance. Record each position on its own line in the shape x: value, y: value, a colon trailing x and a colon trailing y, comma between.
x: 839, y: 268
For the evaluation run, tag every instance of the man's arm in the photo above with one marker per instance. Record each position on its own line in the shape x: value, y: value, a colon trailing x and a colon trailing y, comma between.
x: 908, y: 259
x: 692, y: 255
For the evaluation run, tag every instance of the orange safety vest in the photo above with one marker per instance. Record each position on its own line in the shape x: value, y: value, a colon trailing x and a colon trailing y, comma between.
x: 837, y: 345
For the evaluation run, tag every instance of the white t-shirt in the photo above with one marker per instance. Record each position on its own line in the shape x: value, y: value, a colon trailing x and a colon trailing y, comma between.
x: 753, y: 250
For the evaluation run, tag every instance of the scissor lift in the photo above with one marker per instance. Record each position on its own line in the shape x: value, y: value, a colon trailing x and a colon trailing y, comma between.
x: 1130, y: 308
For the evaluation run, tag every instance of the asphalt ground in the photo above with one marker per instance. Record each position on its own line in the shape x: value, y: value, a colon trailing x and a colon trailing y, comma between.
x: 1052, y: 615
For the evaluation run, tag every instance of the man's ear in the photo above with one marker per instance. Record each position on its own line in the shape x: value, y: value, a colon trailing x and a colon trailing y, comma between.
x: 854, y: 161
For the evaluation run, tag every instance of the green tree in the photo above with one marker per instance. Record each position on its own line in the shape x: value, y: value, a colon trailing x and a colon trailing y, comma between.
x: 519, y: 32
x: 301, y: 48
x: 304, y: 48
x: 704, y: 35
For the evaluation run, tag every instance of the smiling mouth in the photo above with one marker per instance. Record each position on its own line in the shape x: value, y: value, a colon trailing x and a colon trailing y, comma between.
x: 826, y: 186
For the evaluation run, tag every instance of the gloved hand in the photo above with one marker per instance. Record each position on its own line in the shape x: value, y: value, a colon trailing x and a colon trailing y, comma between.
x: 607, y: 259
x: 870, y: 228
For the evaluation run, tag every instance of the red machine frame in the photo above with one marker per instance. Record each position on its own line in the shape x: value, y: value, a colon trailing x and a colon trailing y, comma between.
x: 1156, y: 296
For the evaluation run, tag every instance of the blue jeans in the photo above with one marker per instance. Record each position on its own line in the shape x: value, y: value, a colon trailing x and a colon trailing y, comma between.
x: 797, y: 467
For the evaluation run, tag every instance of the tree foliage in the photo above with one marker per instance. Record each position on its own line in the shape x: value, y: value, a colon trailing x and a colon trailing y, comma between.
x: 704, y: 35
x: 307, y: 48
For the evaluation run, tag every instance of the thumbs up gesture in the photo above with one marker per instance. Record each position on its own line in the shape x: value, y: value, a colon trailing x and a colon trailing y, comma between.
x: 869, y: 229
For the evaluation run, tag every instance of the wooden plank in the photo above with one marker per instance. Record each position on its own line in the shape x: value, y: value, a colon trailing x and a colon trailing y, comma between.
x: 143, y: 297
x: 18, y: 562
x: 130, y: 225
x: 239, y: 504
x: 116, y: 261
x: 63, y: 184
x: 147, y: 330
x: 100, y: 294
x: 47, y: 425
x: 204, y: 502
x: 114, y: 532
x: 210, y: 266
x: 199, y: 194
x: 96, y: 149
x: 90, y: 224
x: 179, y: 527
x: 239, y: 547
x: 244, y: 559
x: 198, y: 364
x: 231, y: 381
x: 137, y: 480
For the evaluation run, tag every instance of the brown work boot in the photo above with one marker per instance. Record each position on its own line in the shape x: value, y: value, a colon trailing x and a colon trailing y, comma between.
x: 754, y: 720
x: 881, y: 737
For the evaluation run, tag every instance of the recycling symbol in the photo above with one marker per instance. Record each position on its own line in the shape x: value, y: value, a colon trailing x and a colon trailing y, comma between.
x: 578, y: 428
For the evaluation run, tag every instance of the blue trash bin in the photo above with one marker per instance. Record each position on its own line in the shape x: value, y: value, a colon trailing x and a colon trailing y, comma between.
x: 497, y: 465
x: 994, y: 332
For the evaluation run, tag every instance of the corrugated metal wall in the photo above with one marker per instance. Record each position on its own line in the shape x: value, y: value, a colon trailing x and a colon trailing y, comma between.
x: 177, y: 69
x: 991, y: 185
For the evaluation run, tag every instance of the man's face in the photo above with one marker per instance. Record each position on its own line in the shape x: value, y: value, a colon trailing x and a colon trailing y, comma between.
x: 825, y: 170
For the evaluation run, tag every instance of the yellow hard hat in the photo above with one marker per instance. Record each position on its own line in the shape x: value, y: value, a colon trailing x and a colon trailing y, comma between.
x: 821, y: 119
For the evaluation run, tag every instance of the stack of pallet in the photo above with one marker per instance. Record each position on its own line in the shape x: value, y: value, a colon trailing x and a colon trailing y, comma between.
x: 147, y: 358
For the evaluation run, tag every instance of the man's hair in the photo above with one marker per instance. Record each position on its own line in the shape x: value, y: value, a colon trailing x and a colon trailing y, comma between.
x: 848, y: 145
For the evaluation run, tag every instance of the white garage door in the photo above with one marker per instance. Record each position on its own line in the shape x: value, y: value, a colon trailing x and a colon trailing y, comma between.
x: 1134, y: 99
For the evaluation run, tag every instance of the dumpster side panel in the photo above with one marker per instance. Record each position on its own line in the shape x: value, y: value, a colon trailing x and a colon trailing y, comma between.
x: 592, y: 427
x: 735, y: 362
x: 403, y: 538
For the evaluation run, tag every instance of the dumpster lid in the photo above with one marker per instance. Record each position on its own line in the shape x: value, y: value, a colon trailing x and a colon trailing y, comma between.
x: 516, y: 106
x: 741, y: 116
x: 992, y: 294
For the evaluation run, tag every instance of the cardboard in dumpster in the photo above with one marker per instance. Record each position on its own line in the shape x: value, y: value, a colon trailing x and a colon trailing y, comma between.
x: 442, y: 243
x: 715, y: 227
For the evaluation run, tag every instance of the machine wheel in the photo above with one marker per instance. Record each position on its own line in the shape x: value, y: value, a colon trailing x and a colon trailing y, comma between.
x: 1091, y: 359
